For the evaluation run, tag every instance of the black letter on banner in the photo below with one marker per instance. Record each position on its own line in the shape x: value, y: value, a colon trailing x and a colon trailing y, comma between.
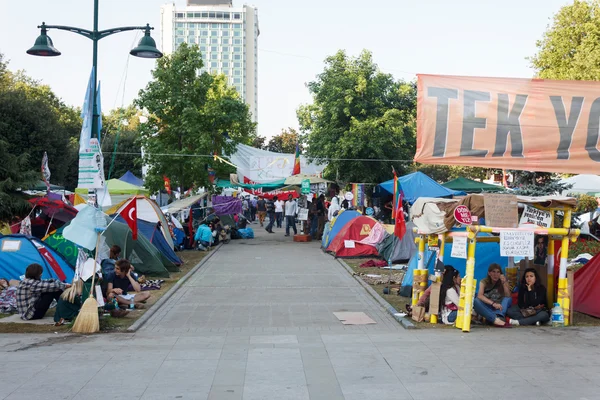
x: 566, y: 127
x: 441, y: 118
x: 509, y: 123
x: 471, y: 122
x: 592, y: 136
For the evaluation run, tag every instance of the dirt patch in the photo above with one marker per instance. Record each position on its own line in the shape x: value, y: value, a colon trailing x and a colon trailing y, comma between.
x: 108, y: 324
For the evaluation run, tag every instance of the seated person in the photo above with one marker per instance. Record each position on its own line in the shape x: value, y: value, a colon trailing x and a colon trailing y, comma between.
x: 449, y: 295
x: 119, y: 286
x: 424, y: 299
x: 35, y: 295
x: 108, y: 267
x: 531, y: 309
x: 493, y: 298
x: 8, y: 295
x: 203, y: 237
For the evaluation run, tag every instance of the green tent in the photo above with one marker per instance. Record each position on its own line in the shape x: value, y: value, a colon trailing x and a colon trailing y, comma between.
x: 471, y: 186
x: 146, y: 258
x: 118, y: 187
x: 223, y: 183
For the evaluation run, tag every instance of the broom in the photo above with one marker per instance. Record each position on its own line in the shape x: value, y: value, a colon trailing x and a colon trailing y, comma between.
x: 87, y: 320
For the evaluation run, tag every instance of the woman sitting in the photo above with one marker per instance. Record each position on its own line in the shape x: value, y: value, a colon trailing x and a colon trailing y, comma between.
x: 449, y: 295
x: 493, y: 299
x: 531, y: 309
x: 35, y: 295
x: 119, y: 286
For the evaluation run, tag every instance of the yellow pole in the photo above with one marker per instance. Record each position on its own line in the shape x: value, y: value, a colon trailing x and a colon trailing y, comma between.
x: 469, y: 275
x: 417, y: 278
x: 550, y: 261
x: 563, y: 289
x: 461, y: 304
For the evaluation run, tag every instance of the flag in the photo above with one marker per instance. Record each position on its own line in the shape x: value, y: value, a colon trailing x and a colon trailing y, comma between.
x: 167, y: 184
x: 394, y: 200
x: 99, y: 104
x: 129, y: 214
x: 400, y: 225
x: 87, y: 115
x: 296, y: 170
x: 46, y: 171
x: 504, y: 182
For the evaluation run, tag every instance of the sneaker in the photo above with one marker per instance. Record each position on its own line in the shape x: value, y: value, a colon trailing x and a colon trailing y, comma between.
x: 514, y: 322
x: 286, y: 235
x: 538, y: 323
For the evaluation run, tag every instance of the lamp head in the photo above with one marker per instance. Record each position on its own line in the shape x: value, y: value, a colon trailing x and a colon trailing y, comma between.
x: 146, y: 47
x: 43, y: 45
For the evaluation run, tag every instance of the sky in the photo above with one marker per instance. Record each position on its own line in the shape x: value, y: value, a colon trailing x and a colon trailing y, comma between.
x: 460, y: 37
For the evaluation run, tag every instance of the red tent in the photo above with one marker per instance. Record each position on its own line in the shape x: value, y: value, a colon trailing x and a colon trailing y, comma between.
x: 355, y: 231
x: 586, y: 294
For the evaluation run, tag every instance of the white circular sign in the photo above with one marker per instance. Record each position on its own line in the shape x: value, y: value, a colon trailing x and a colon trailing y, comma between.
x: 349, y: 196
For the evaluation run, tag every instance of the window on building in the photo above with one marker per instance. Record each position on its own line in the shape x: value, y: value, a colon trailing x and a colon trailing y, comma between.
x: 226, y: 16
x: 237, y: 41
x: 179, y: 32
x: 204, y: 33
x: 225, y: 26
x: 211, y: 15
x: 190, y: 15
x: 237, y: 72
x: 214, y: 26
x: 203, y: 49
x: 225, y: 41
x: 180, y: 25
x: 203, y: 41
x: 237, y: 80
x: 237, y: 16
x: 226, y: 64
x: 237, y: 27
x: 179, y: 15
x: 214, y: 64
x: 214, y: 48
x: 219, y: 15
x: 191, y: 40
x: 237, y: 33
x: 237, y: 57
x: 237, y: 65
x: 179, y: 40
x: 225, y: 57
x: 225, y: 49
x: 203, y: 25
x: 197, y: 15
x: 214, y: 56
x: 191, y: 25
x: 214, y: 71
x: 225, y: 33
x: 214, y: 41
x: 237, y: 49
x: 214, y: 33
x: 225, y: 71
x: 204, y: 15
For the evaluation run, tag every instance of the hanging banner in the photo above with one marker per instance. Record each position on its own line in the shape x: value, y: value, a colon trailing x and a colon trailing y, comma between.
x: 91, y: 167
x: 516, y: 244
x: 523, y: 124
x: 534, y: 216
x: 358, y: 190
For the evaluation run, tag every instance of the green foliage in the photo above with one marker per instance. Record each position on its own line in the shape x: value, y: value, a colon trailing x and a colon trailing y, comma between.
x: 445, y: 173
x: 569, y: 48
x: 259, y: 142
x: 14, y: 175
x: 586, y: 203
x: 358, y: 112
x: 122, y: 126
x: 189, y: 114
x: 538, y: 183
x: 285, y: 142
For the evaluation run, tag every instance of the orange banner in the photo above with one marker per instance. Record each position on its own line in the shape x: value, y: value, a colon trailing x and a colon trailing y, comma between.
x: 523, y: 124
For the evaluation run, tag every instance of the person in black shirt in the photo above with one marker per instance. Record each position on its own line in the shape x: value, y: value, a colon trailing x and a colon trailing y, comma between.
x: 321, y: 216
x: 119, y: 287
x: 271, y: 213
x: 531, y: 309
x: 261, y: 207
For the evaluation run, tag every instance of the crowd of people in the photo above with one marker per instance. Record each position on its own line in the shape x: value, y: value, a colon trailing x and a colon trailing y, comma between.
x: 493, y: 303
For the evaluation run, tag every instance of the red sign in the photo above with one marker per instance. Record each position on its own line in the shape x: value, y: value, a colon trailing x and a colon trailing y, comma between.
x: 462, y: 215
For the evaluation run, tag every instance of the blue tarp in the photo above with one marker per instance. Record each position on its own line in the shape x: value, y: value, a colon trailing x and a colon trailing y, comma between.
x: 18, y: 251
x: 131, y: 178
x: 338, y: 223
x: 151, y: 231
x: 417, y: 185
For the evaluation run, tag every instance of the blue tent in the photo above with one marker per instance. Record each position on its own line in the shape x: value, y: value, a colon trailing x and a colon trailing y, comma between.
x: 18, y: 251
x: 131, y: 178
x: 417, y: 185
x: 152, y: 232
x: 339, y: 222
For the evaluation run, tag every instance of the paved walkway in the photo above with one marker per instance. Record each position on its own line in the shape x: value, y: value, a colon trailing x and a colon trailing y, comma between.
x: 256, y: 322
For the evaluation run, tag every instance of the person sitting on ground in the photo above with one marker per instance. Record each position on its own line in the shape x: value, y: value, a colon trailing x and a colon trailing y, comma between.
x: 424, y: 298
x: 108, y: 267
x: 493, y: 298
x: 449, y: 295
x: 203, y: 237
x: 34, y: 295
x: 8, y: 295
x: 119, y: 287
x: 531, y: 309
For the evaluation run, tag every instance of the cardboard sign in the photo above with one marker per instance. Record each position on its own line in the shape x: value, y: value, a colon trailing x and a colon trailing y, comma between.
x: 501, y: 210
x: 303, y: 214
x: 534, y: 216
x: 462, y: 215
x: 459, y: 247
x: 516, y: 244
x: 434, y: 305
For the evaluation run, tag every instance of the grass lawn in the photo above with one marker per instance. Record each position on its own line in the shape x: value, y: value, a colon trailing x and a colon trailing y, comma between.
x: 108, y: 324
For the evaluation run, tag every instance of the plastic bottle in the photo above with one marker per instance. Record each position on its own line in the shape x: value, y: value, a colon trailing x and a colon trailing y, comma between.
x: 558, y: 317
x: 390, y: 263
x: 131, y: 304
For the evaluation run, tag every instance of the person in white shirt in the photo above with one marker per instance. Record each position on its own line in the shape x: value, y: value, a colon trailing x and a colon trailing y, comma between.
x: 449, y: 295
x: 291, y: 208
x: 333, y: 208
x: 279, y: 212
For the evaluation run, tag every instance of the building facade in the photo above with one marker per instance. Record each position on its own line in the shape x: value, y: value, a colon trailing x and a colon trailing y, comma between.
x: 227, y: 37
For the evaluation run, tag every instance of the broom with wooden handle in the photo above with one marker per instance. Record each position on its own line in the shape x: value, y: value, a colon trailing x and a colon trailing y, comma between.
x: 87, y: 320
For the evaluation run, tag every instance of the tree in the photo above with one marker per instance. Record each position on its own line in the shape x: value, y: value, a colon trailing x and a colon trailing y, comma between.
x: 569, y: 48
x: 120, y: 143
x: 259, y: 142
x: 285, y: 142
x: 445, y: 173
x: 359, y: 113
x: 192, y: 115
x: 530, y: 183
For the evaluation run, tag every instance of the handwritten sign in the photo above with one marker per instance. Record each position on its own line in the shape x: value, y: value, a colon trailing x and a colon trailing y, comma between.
x: 516, y: 244
x: 534, y: 216
x: 459, y: 247
x: 303, y: 214
x: 501, y: 210
x: 462, y: 215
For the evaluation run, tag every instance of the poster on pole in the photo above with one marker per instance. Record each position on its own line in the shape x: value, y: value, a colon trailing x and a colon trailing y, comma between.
x: 536, y: 217
x: 459, y: 247
x: 516, y: 244
x: 303, y: 214
x: 91, y: 167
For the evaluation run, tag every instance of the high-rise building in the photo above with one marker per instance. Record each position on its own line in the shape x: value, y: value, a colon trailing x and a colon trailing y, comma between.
x: 227, y: 37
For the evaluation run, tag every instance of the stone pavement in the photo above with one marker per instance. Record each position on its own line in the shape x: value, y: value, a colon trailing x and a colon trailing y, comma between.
x: 256, y: 322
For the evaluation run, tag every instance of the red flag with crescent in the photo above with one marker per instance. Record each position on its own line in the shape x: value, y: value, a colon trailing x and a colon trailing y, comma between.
x: 129, y: 214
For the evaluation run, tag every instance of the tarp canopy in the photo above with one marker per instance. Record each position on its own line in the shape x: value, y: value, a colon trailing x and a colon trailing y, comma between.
x: 118, y: 187
x: 584, y: 183
x: 18, y: 251
x: 129, y: 177
x: 182, y: 204
x: 346, y: 242
x: 417, y: 185
x: 223, y: 183
x: 470, y: 186
x: 297, y: 179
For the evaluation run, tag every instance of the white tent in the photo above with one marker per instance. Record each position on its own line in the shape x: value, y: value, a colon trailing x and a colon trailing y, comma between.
x: 584, y: 183
x: 266, y: 166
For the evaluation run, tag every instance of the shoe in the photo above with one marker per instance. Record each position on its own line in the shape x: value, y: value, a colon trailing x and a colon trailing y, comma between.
x: 286, y: 235
x: 514, y: 322
x: 538, y: 323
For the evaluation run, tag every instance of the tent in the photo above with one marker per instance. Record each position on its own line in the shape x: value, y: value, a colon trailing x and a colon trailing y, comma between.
x: 471, y: 186
x: 152, y: 232
x: 129, y: 177
x: 586, y: 296
x: 584, y: 183
x: 395, y: 250
x: 18, y: 251
x: 417, y: 185
x: 337, y: 225
x: 354, y: 231
x: 118, y: 187
x: 147, y: 210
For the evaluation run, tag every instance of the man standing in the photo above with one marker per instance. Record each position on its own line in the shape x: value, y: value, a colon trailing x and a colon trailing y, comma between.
x: 271, y: 213
x: 246, y: 208
x: 261, y: 207
x: 321, y: 209
x: 291, y: 208
x: 278, y: 211
x: 253, y: 204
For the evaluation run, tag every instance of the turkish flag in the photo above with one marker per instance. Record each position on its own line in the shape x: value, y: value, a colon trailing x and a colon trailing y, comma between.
x: 129, y: 214
x: 400, y: 226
